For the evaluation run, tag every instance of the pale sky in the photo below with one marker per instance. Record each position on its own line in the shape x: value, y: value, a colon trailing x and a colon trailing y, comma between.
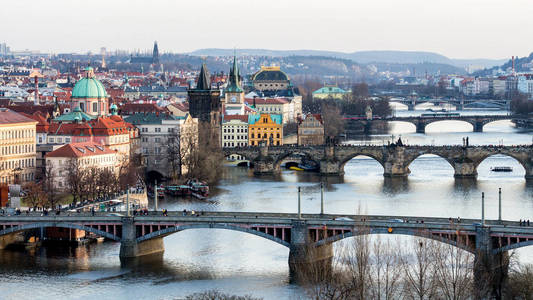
x: 455, y: 28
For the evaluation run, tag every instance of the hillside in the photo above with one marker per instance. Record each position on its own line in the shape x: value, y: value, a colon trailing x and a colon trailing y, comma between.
x: 360, y: 57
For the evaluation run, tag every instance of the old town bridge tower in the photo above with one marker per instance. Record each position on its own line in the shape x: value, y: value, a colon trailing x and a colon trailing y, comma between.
x: 205, y: 104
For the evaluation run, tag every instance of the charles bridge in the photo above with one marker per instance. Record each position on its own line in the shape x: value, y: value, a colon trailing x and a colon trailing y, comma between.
x: 394, y: 159
x: 477, y: 121
x: 309, y: 237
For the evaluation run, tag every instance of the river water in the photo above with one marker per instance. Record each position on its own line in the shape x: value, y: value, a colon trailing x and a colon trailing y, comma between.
x: 238, y: 263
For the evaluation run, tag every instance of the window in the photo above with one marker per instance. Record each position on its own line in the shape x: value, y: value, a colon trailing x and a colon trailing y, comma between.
x: 51, y: 140
x: 95, y: 107
x: 157, y: 129
x: 144, y: 129
x: 158, y: 140
x: 144, y: 140
x: 67, y: 140
x: 169, y: 129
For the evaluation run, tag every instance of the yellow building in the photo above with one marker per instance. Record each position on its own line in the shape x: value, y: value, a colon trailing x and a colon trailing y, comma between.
x: 17, y: 147
x: 265, y: 127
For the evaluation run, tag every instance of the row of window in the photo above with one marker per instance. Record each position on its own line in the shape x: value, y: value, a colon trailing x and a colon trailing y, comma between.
x: 243, y: 130
x: 264, y: 129
x: 254, y: 143
x: 16, y: 163
x: 19, y: 149
x: 235, y: 137
x: 232, y: 144
x: 157, y: 129
x: 23, y: 177
x: 58, y: 140
x: 16, y: 134
x: 252, y: 136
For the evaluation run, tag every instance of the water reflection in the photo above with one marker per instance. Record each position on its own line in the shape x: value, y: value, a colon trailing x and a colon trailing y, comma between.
x: 395, y: 185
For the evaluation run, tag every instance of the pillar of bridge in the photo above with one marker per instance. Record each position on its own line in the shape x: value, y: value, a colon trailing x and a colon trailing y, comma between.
x: 464, y: 169
x: 305, y: 260
x: 329, y: 164
x: 264, y: 163
x: 396, y: 163
x: 420, y: 126
x: 130, y: 248
x: 478, y: 126
x: 490, y: 269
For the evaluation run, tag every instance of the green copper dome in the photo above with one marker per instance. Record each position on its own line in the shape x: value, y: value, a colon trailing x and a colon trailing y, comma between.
x: 89, y: 87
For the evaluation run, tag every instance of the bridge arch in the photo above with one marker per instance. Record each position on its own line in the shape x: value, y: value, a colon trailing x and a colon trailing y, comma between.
x: 486, y: 122
x: 433, y: 121
x: 28, y: 226
x: 346, y: 159
x: 279, y: 159
x: 418, y: 155
x: 415, y: 233
x: 513, y: 246
x: 175, y: 229
x: 522, y: 161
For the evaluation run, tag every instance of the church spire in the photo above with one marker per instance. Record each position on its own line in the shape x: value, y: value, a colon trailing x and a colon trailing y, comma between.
x: 204, y: 80
x: 234, y: 75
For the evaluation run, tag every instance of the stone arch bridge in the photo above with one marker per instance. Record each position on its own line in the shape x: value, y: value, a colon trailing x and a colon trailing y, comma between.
x: 489, y: 241
x: 394, y: 159
x: 420, y: 122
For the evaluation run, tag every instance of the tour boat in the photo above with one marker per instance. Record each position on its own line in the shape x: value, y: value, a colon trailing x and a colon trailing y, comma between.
x: 198, y: 188
x: 501, y: 169
x: 178, y: 190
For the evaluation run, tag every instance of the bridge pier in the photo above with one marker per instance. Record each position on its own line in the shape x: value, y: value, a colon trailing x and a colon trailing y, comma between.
x: 464, y: 169
x: 491, y: 270
x: 264, y: 163
x: 396, y: 163
x: 306, y: 260
x: 329, y: 164
x: 420, y: 126
x: 130, y: 248
x: 478, y: 126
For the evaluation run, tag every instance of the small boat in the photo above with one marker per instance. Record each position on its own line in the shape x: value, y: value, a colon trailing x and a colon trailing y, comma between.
x: 295, y: 168
x: 501, y: 169
x: 198, y: 188
x: 178, y: 190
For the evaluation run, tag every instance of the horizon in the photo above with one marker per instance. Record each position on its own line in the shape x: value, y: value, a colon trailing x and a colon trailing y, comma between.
x: 455, y: 29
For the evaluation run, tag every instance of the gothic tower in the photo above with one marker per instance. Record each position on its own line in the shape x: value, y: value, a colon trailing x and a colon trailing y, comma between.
x: 234, y: 94
x: 155, y: 55
x: 204, y: 103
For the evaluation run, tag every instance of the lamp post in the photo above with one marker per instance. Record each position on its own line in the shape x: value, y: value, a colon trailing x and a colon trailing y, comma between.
x: 299, y: 204
x: 321, y: 198
x: 155, y: 195
x: 500, y: 204
x: 482, y: 208
x: 128, y: 201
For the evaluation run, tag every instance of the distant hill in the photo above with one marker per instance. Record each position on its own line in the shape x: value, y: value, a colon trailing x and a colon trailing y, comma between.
x: 361, y: 57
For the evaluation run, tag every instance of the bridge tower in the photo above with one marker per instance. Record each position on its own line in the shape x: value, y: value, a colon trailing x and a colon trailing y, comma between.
x: 491, y: 270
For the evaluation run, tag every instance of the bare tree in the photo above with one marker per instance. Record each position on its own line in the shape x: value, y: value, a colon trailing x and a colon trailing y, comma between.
x: 453, y: 271
x: 34, y: 194
x: 49, y: 187
x: 333, y: 122
x: 75, y: 179
x: 386, y: 271
x: 419, y: 281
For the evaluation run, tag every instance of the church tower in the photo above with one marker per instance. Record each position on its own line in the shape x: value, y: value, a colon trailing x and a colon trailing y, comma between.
x: 155, y: 55
x: 234, y: 94
x: 205, y: 104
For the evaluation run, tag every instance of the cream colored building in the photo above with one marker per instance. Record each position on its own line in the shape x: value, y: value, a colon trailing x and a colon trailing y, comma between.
x: 17, y: 147
x: 234, y: 131
x: 85, y: 155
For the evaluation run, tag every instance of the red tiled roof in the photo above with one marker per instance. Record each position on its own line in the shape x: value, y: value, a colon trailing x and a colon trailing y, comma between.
x: 259, y: 101
x: 243, y: 118
x: 8, y: 116
x: 80, y: 150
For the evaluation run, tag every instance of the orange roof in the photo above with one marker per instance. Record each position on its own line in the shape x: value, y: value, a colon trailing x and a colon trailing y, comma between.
x: 80, y: 150
x: 8, y: 116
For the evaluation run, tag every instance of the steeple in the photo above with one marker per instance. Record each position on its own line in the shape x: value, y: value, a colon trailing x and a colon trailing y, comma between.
x: 155, y: 54
x: 204, y: 80
x: 234, y: 85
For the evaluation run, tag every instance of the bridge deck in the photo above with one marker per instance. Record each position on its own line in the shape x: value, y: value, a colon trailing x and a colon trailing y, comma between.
x: 280, y: 219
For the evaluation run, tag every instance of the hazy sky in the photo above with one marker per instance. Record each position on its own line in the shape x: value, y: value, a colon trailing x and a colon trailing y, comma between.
x: 455, y: 28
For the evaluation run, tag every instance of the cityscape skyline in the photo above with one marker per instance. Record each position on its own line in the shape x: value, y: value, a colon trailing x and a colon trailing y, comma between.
x: 444, y: 28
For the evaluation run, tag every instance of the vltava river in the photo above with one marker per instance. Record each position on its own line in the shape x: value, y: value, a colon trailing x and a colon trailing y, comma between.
x: 239, y: 263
